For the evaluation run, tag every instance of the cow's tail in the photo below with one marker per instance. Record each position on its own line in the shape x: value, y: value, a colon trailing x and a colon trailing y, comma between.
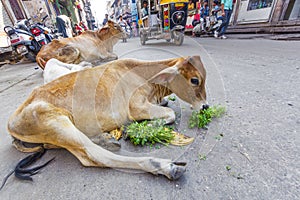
x: 22, y: 172
x: 41, y: 62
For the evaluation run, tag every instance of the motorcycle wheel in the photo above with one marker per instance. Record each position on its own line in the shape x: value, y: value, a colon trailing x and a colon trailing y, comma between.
x: 31, y: 56
x: 143, y: 39
x: 48, y: 39
x: 178, y: 38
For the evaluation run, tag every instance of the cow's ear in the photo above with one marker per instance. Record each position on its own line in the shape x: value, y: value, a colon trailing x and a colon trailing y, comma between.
x: 192, y: 60
x: 164, y: 76
x: 186, y: 60
x: 106, y: 25
x: 104, y: 29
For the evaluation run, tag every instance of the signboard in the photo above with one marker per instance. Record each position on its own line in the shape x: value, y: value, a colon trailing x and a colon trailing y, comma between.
x: 252, y: 11
x: 135, y: 18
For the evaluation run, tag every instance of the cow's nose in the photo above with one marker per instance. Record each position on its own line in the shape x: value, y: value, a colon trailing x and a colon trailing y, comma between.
x: 205, y: 106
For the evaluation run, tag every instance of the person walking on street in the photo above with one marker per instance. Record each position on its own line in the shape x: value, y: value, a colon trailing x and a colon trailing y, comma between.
x: 145, y: 14
x: 63, y: 24
x: 105, y: 20
x: 226, y: 7
x: 145, y: 9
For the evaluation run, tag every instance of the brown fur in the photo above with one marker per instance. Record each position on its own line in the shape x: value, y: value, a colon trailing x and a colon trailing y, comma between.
x: 78, y: 108
x: 90, y: 46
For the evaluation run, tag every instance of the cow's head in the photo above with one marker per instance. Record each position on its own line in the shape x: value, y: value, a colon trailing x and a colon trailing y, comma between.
x: 112, y: 29
x: 187, y: 80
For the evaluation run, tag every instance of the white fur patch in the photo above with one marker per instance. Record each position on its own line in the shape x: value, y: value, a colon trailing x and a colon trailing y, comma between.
x: 55, y: 69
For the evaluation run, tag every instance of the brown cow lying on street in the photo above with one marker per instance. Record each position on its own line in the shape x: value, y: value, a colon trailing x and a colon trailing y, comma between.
x: 76, y: 110
x: 90, y: 46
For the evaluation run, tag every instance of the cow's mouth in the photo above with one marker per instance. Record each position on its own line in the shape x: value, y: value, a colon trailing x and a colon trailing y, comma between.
x: 200, y: 107
x: 205, y: 107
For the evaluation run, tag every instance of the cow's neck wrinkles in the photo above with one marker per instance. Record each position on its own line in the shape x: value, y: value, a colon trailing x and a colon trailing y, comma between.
x: 159, y: 92
x: 148, y: 70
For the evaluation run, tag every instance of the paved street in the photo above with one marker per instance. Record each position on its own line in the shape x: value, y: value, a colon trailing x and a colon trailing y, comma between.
x: 257, y: 158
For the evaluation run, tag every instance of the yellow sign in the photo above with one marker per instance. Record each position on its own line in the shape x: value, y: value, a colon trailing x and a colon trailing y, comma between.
x: 173, y: 1
x: 179, y: 4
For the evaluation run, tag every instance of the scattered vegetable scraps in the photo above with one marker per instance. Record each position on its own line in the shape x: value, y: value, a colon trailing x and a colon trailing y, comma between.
x: 201, y: 118
x: 149, y: 132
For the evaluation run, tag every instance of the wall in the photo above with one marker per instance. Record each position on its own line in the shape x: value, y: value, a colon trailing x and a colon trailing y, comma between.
x: 295, y: 14
x: 33, y: 7
x: 4, y: 17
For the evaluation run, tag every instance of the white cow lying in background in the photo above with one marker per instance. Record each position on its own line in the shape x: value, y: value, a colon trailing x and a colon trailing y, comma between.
x: 55, y: 69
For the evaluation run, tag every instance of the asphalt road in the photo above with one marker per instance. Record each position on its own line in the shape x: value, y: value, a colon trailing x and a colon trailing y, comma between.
x: 257, y: 158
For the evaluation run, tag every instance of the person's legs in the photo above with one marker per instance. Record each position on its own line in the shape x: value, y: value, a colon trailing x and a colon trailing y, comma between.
x: 202, y: 24
x: 225, y: 23
x: 61, y: 26
x: 58, y: 24
x: 219, y: 31
x: 228, y: 16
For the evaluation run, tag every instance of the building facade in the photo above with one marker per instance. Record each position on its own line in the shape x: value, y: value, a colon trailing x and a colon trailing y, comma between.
x: 249, y: 16
x: 11, y: 11
x: 5, y: 18
x: 266, y: 16
x: 14, y: 10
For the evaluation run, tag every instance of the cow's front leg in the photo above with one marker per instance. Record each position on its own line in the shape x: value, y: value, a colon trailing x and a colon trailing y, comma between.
x: 113, y: 56
x: 108, y: 56
x: 152, y: 111
x: 172, y: 170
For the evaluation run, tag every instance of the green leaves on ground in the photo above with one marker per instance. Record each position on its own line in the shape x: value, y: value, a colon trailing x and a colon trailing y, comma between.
x: 202, y: 157
x: 149, y: 132
x: 201, y: 118
x: 172, y: 98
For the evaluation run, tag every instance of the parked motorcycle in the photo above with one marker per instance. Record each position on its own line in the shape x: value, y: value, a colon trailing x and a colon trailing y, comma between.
x: 126, y: 28
x: 23, y: 42
x: 208, y: 25
x: 128, y: 32
x: 42, y: 33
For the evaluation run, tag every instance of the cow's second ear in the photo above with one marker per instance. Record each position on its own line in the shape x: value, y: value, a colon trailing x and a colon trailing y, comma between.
x: 104, y: 29
x: 165, y: 75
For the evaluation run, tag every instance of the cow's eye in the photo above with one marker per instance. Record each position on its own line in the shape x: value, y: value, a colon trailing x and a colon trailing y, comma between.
x: 195, y: 81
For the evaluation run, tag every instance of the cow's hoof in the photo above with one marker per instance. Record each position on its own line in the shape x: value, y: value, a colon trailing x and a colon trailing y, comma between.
x: 164, y: 103
x: 177, y: 170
